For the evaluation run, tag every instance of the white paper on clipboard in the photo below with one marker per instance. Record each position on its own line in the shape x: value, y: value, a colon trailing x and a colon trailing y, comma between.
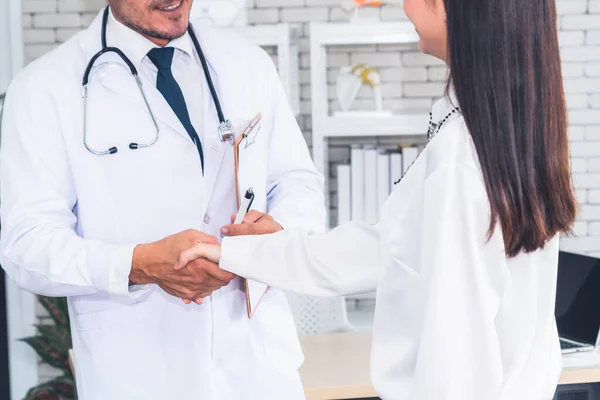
x: 255, y: 291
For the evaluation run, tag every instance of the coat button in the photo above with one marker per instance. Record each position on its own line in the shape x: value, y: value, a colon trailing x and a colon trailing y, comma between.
x: 207, y: 219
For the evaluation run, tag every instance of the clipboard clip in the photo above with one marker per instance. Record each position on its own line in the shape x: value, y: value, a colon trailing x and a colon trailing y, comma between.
x: 252, y: 131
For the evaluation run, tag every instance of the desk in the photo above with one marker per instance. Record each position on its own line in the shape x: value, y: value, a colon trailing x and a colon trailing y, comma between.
x: 337, y: 367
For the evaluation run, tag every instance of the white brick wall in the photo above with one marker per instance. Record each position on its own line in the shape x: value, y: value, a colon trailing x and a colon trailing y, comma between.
x: 580, y: 44
x: 410, y: 81
x: 47, y: 23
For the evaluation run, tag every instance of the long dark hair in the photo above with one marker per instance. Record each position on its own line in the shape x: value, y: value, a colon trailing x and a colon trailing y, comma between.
x: 506, y: 70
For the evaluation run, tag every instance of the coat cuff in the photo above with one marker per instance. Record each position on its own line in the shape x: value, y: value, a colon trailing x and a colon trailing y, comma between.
x: 235, y: 253
x: 116, y: 281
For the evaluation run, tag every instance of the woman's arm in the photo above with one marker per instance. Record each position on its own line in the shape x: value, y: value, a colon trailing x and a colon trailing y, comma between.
x: 341, y: 262
x: 464, y: 275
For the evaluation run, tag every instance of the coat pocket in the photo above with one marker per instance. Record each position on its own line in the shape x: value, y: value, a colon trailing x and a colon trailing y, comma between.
x: 280, y: 338
x: 93, y: 312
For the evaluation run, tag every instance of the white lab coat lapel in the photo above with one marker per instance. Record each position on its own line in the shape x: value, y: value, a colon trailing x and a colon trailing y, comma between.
x: 122, y: 82
x: 160, y: 108
x: 229, y: 87
x: 228, y: 83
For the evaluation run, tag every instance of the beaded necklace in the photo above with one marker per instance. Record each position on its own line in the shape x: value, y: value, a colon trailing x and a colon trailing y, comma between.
x: 432, y: 131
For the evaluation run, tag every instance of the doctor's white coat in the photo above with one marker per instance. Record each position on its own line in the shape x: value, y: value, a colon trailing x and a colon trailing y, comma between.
x: 71, y: 219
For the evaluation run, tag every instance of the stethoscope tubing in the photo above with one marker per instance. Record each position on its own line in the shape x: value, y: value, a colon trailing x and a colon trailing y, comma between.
x: 224, y: 124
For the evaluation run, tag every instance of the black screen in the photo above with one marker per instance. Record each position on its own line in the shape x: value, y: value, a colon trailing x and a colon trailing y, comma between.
x: 578, y: 297
x: 4, y: 389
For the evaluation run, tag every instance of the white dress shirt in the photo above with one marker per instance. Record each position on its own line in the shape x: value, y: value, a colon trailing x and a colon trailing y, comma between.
x: 455, y: 319
x: 186, y: 67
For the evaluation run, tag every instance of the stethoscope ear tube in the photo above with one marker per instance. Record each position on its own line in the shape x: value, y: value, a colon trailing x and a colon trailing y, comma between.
x: 226, y: 132
x: 211, y: 85
x: 88, y: 69
x: 104, y: 25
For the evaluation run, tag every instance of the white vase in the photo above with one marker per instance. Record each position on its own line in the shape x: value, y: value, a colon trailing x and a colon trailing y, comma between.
x: 348, y: 86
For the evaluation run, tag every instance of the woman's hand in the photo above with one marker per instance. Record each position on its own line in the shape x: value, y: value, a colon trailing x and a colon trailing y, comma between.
x: 210, y: 252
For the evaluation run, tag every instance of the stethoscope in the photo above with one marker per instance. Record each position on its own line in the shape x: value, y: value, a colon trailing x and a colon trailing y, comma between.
x: 225, y: 131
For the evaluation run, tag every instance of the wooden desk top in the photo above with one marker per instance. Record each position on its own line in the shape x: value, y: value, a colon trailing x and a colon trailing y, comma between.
x: 337, y: 367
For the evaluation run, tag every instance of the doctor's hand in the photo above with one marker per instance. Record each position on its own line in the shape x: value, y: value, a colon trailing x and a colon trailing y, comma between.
x: 255, y: 223
x: 210, y: 252
x: 153, y: 264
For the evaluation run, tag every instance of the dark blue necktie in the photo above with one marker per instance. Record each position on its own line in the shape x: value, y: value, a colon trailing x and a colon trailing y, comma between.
x: 167, y: 85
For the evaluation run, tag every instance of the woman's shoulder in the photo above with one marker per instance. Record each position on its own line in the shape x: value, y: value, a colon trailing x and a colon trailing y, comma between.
x: 453, y: 146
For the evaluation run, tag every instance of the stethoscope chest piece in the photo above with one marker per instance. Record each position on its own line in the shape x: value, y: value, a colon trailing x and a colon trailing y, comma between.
x: 226, y: 132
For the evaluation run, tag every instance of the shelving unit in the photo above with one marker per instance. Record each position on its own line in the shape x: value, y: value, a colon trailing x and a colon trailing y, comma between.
x: 327, y: 126
x: 283, y: 38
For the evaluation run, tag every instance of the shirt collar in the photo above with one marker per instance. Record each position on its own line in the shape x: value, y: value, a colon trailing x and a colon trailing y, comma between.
x: 135, y: 46
x: 183, y: 43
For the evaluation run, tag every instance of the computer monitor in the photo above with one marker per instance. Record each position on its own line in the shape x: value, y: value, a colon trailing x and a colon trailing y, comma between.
x: 578, y: 298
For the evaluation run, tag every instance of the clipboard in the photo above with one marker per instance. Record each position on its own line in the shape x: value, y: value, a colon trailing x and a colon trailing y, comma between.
x: 255, y: 291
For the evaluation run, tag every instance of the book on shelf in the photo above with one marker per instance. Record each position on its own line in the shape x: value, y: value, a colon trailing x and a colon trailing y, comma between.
x: 395, y: 168
x: 358, y: 183
x: 370, y: 176
x: 344, y: 210
x: 365, y: 185
x: 383, y: 178
x: 409, y: 155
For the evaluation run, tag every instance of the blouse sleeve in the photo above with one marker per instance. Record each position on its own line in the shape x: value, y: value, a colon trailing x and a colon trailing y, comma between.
x: 459, y: 353
x: 341, y: 262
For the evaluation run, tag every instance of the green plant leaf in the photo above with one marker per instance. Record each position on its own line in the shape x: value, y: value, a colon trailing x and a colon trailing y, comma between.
x: 61, y: 386
x: 65, y: 386
x: 58, y: 309
x: 58, y: 337
x: 48, y: 353
x: 52, y: 344
x: 45, y: 391
x: 29, y: 397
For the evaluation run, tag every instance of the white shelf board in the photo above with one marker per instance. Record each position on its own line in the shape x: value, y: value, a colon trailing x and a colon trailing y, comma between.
x: 331, y: 34
x: 398, y: 125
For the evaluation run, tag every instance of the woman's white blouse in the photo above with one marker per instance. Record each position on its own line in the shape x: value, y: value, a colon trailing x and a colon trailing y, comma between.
x: 455, y: 319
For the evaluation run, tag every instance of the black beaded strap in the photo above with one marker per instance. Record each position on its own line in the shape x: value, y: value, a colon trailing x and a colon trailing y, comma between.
x: 433, y: 130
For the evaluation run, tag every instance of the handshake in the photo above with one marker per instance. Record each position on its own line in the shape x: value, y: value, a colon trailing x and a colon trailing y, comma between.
x: 185, y: 265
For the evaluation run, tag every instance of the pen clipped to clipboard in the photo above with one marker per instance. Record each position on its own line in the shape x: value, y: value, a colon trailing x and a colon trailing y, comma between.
x: 254, y: 290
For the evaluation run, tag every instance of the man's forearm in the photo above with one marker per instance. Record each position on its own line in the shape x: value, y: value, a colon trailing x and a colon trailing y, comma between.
x: 142, y: 258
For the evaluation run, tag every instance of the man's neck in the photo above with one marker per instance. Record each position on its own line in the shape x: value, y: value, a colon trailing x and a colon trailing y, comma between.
x: 157, y: 41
